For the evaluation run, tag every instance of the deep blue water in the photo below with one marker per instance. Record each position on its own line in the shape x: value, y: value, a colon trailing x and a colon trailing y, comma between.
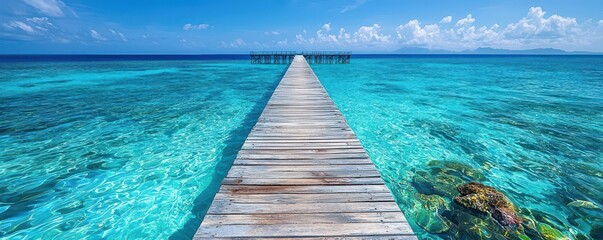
x: 118, y: 146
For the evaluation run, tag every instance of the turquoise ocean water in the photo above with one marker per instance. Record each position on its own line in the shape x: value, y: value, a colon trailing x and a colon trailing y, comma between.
x: 120, y: 150
x: 136, y: 149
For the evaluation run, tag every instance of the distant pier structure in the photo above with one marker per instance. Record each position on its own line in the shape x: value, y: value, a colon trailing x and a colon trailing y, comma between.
x: 313, y: 57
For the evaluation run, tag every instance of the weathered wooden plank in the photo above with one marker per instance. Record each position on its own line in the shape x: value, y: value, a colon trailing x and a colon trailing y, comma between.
x: 308, y: 152
x: 384, y: 237
x: 296, y: 162
x: 302, y: 173
x: 301, y: 141
x: 308, y: 145
x: 307, y: 174
x: 302, y: 181
x: 251, y: 189
x: 308, y: 156
x: 328, y: 168
x: 309, y: 230
x: 306, y: 198
x: 307, y: 218
x: 221, y: 206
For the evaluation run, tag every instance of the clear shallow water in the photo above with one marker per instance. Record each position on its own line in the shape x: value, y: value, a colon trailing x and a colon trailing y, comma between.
x: 136, y: 149
x: 532, y: 127
x: 120, y: 149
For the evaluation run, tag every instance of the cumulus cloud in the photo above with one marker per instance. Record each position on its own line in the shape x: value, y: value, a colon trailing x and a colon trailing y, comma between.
x: 537, y: 26
x: 189, y: 27
x: 536, y: 29
x: 52, y: 8
x: 371, y: 34
x: 446, y: 19
x: 326, y: 27
x: 465, y: 21
x: 323, y: 35
x: 365, y: 36
x: 94, y: 34
x: 413, y: 33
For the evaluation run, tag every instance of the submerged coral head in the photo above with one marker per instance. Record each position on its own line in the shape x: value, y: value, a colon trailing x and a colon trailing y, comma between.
x: 488, y: 200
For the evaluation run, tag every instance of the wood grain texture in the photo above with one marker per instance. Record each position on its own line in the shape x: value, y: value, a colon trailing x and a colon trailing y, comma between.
x: 302, y: 173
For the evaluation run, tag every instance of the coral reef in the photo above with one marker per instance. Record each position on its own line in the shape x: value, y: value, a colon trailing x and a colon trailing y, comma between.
x: 488, y: 200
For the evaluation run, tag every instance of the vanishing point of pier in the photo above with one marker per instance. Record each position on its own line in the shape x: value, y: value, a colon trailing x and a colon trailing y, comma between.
x: 302, y: 173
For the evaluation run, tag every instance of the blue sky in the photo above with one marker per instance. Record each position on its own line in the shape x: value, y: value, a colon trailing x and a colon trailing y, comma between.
x: 229, y: 26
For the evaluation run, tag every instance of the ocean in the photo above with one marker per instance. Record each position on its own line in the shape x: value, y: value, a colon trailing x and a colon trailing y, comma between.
x: 124, y: 147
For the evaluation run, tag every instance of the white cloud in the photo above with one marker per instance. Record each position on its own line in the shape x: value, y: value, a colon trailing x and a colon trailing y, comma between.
x: 94, y: 34
x: 188, y: 26
x: 371, y: 34
x: 466, y: 21
x: 343, y: 35
x: 272, y: 33
x: 36, y: 29
x: 20, y: 25
x: 39, y: 20
x: 40, y: 23
x: 300, y: 39
x: 415, y: 34
x: 52, y: 8
x: 326, y: 27
x: 238, y: 43
x: 322, y: 35
x: 434, y: 36
x: 283, y: 43
x: 446, y: 19
x: 119, y: 35
x: 537, y: 26
x: 535, y: 30
x: 354, y: 5
x: 601, y: 22
x: 365, y: 36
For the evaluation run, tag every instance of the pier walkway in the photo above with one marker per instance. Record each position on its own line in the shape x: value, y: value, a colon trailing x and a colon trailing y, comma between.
x: 302, y: 173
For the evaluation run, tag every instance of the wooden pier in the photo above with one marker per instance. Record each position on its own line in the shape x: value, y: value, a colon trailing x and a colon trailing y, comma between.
x: 314, y: 57
x: 302, y: 173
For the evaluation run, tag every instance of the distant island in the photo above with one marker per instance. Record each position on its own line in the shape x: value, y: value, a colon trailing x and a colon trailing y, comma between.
x: 488, y: 50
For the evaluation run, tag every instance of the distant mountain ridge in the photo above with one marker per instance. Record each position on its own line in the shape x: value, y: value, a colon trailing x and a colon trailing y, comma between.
x: 488, y: 50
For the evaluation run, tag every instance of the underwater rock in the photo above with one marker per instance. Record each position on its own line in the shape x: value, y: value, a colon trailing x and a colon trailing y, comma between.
x: 437, y: 182
x: 422, y: 184
x: 463, y: 169
x: 445, y: 185
x: 549, y: 233
x: 487, y: 199
x: 583, y: 204
x: 432, y: 202
x: 427, y: 214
